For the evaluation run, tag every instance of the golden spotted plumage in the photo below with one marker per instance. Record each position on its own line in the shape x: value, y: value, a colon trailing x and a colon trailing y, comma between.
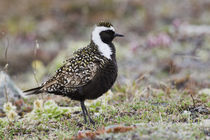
x: 105, y: 24
x: 77, y: 71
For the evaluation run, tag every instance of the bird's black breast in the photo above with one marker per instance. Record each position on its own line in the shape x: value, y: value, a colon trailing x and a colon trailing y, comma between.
x: 102, y: 82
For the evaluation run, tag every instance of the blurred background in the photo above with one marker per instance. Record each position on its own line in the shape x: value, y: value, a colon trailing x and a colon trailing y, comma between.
x: 166, y: 41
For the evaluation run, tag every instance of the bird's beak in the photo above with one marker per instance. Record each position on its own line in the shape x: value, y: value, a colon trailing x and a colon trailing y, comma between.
x: 118, y: 35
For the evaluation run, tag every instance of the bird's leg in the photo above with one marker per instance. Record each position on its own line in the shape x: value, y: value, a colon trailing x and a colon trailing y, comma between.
x: 83, y: 111
x: 91, y: 121
x: 86, y: 112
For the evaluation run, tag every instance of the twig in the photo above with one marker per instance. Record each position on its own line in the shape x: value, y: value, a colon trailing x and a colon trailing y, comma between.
x: 5, y: 92
x: 193, y: 100
x: 6, y: 68
x: 5, y: 56
x: 34, y: 69
x: 35, y: 56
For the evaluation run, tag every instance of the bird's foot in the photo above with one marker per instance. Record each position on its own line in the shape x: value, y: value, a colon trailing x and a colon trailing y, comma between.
x: 85, y: 121
x: 92, y: 122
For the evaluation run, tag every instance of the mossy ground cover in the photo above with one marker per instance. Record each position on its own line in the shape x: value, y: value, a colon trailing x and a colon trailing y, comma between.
x: 152, y: 113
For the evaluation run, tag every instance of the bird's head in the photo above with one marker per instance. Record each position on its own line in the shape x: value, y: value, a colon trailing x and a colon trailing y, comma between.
x: 105, y: 32
x: 103, y: 35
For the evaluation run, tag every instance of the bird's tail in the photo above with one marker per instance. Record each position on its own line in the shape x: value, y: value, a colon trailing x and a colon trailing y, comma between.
x: 36, y: 90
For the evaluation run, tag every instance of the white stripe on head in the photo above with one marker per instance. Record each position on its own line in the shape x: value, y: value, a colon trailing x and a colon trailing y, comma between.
x: 102, y: 47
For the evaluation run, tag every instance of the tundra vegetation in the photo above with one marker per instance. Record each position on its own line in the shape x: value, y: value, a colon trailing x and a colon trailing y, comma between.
x: 163, y: 86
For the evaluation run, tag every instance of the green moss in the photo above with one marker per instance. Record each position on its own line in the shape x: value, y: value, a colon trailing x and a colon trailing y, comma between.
x: 117, y: 107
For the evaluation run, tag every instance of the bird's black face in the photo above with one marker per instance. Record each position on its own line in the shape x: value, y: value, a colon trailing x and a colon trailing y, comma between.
x: 108, y: 35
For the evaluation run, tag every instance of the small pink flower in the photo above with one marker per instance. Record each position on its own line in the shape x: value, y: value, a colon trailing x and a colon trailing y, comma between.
x: 176, y: 23
x: 134, y: 47
x: 164, y: 39
x: 161, y: 39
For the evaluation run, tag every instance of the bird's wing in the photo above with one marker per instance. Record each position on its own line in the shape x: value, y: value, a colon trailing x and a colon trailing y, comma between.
x: 76, y: 72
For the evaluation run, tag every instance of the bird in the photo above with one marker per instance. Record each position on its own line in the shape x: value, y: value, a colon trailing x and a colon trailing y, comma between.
x: 89, y: 73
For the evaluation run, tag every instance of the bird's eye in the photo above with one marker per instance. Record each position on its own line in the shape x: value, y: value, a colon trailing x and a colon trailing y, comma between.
x: 107, y: 36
